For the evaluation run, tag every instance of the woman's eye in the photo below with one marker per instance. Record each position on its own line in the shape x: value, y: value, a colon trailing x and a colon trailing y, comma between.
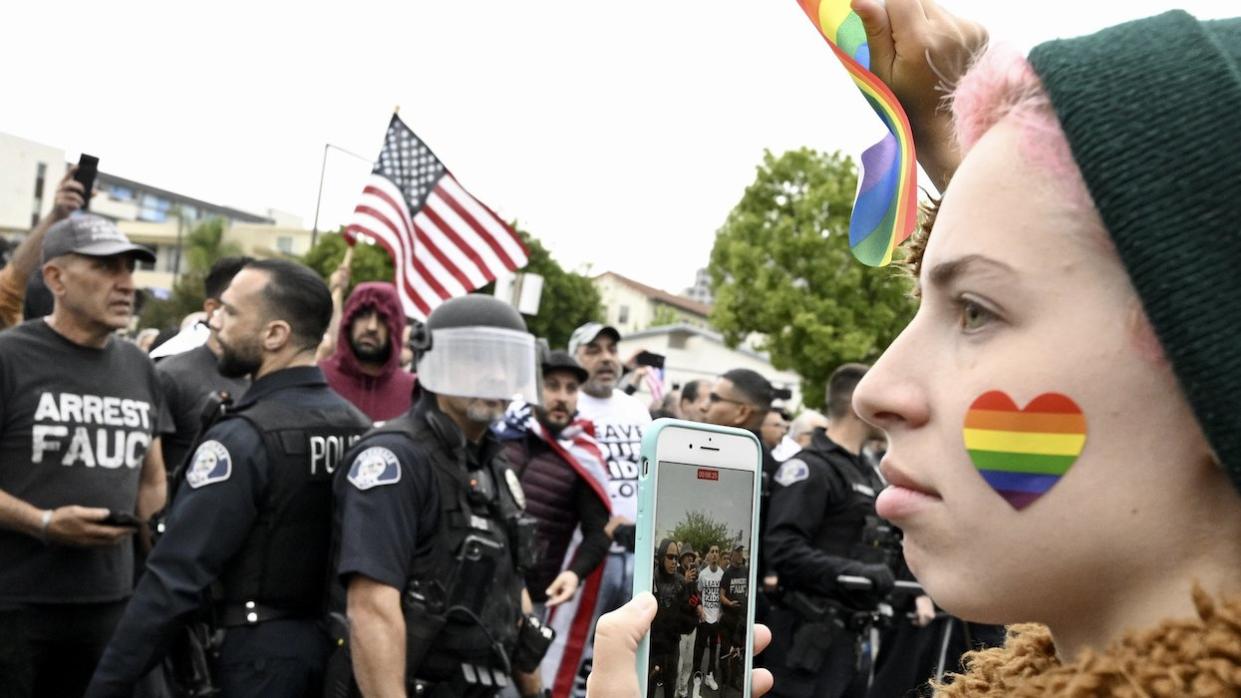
x: 973, y: 316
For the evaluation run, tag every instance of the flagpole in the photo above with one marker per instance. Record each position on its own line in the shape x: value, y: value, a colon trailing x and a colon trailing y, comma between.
x: 314, y: 233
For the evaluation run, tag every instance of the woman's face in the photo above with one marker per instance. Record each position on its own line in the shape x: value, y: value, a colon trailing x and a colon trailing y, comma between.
x: 1021, y: 294
x: 670, y: 559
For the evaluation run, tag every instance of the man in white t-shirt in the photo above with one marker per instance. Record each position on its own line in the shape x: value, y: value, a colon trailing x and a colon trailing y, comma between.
x: 708, y: 639
x: 619, y: 421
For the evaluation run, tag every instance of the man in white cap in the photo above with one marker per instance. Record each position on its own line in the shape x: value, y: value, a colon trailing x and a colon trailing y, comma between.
x: 620, y: 420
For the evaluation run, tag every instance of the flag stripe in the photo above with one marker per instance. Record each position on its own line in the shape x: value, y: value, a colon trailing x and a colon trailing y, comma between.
x: 478, y: 218
x: 443, y: 242
x: 1025, y: 421
x: 1024, y: 442
x: 473, y: 240
x: 465, y: 248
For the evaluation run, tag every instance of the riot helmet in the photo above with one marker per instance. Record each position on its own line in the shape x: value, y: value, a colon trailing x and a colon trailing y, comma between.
x: 477, y: 346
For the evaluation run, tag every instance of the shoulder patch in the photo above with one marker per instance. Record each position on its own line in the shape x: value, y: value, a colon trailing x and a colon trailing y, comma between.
x: 212, y: 464
x: 792, y: 471
x: 514, y: 487
x: 374, y: 467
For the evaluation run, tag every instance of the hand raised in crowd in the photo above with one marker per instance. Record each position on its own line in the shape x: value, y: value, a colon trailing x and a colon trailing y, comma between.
x: 339, y: 280
x: 616, y: 650
x: 920, y: 51
x: 563, y: 587
x: 80, y: 526
x: 70, y: 196
x: 614, y: 523
x: 924, y: 611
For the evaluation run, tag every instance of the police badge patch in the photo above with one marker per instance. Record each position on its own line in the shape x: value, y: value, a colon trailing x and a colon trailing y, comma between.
x: 794, y: 470
x: 374, y: 467
x: 514, y: 487
x: 212, y: 464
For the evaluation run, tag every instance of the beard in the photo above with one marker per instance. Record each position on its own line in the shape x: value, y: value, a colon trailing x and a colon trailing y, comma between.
x: 483, y: 412
x: 371, y: 355
x: 553, y: 426
x: 239, y: 361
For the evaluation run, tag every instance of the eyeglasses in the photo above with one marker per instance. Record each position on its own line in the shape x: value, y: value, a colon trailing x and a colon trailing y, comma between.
x: 670, y: 556
x: 716, y: 397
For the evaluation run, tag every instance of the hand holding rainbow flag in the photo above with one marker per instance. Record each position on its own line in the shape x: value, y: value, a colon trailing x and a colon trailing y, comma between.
x: 886, y: 208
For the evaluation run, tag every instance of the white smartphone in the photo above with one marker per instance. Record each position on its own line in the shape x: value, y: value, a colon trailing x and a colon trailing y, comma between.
x: 697, y: 534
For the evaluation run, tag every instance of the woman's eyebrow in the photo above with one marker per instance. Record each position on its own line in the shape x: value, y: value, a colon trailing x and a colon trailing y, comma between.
x: 945, y: 273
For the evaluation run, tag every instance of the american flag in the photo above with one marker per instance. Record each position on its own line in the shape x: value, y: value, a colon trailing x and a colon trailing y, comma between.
x: 655, y: 383
x: 443, y: 242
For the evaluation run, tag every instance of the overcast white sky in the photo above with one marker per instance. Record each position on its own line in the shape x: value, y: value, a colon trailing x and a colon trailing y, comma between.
x: 620, y: 134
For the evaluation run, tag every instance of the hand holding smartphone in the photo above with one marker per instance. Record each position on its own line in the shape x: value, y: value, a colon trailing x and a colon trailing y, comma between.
x: 88, y: 167
x: 123, y: 519
x: 697, y: 532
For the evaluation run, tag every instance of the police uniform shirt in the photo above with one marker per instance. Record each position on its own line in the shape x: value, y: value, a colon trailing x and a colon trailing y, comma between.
x: 805, y: 491
x: 215, y: 506
x: 188, y: 380
x: 387, y: 504
x: 75, y: 426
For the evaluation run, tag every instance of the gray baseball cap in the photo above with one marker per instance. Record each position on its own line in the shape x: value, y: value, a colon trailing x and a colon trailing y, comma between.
x: 93, y: 236
x: 587, y: 334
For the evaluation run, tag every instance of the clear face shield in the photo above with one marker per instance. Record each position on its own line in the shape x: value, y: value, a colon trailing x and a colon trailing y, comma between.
x: 482, y: 362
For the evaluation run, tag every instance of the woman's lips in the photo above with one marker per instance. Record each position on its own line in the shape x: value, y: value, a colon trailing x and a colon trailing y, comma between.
x: 904, y: 496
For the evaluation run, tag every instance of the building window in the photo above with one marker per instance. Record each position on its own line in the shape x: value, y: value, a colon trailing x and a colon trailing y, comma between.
x: 284, y: 244
x: 40, y: 175
x: 121, y: 193
x: 622, y: 316
x: 153, y: 215
x: 153, y: 201
x: 39, y: 178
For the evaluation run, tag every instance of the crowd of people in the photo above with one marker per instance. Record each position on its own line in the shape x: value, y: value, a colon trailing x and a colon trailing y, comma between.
x: 307, y: 492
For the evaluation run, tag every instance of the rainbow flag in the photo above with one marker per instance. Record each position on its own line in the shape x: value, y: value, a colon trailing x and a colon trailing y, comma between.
x: 1023, y: 453
x: 886, y: 208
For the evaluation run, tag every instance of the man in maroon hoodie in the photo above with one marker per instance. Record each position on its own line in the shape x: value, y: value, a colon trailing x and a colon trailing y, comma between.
x: 365, y: 368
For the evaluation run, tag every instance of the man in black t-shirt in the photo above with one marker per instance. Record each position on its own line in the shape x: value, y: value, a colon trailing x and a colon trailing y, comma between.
x: 79, y: 422
x: 191, y: 378
x: 734, y: 593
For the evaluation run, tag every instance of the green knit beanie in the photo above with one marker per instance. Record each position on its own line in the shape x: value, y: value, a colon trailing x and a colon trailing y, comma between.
x: 1152, y: 111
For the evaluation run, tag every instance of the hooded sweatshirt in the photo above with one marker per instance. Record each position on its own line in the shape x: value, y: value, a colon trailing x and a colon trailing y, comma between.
x: 389, y: 394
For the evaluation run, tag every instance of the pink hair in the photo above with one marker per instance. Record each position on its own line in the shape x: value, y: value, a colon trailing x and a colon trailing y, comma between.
x: 1001, y: 84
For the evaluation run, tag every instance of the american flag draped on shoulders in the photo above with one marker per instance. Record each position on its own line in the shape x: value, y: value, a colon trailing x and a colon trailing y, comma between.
x: 443, y: 242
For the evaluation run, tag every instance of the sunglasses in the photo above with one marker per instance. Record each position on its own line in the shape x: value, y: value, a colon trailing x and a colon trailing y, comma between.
x: 670, y: 556
x: 716, y: 397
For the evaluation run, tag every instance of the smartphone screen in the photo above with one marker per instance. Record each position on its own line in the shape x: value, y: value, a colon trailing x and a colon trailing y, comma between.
x: 701, y: 580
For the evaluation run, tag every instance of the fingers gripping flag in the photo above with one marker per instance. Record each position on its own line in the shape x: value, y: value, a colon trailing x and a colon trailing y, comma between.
x: 443, y: 242
x: 886, y: 208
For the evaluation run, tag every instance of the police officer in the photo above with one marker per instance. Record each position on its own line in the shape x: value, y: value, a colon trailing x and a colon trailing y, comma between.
x: 251, y: 518
x: 823, y: 500
x: 433, y: 540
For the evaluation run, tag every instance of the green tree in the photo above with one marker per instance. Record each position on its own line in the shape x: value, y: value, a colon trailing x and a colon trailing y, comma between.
x: 569, y: 299
x: 781, y: 267
x: 370, y: 262
x: 664, y: 316
x: 201, y: 248
x: 701, y: 531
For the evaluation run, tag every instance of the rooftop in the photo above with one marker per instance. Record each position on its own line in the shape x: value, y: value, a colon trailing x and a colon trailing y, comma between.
x: 687, y: 304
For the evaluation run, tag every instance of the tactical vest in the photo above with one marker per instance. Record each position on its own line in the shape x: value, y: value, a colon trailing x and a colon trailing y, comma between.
x: 468, y: 572
x: 284, y: 562
x: 549, y: 483
x: 842, y: 531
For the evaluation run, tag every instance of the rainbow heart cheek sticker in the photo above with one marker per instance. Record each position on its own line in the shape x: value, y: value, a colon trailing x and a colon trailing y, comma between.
x: 1023, y: 453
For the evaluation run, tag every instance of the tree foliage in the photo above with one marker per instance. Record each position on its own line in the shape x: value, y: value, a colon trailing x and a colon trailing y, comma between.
x: 370, y: 262
x: 781, y: 267
x: 664, y: 316
x: 201, y: 248
x: 569, y: 299
x: 701, y: 531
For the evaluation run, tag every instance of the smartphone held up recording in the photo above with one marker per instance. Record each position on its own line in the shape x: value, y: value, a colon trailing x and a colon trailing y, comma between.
x: 697, y: 533
x: 88, y: 167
